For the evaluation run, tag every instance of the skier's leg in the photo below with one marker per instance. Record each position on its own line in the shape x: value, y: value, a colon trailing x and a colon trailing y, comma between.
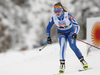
x: 63, y: 42
x: 73, y: 46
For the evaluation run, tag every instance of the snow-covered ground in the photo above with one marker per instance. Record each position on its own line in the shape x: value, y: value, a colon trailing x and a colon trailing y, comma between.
x: 46, y: 62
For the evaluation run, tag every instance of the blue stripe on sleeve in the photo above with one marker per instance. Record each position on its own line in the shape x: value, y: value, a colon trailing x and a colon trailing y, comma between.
x: 50, y: 24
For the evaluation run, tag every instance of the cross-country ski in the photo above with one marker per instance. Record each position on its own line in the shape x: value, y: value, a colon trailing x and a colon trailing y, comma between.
x: 61, y: 73
x: 84, y: 69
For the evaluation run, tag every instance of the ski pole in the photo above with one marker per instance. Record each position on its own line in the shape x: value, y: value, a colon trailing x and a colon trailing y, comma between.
x: 88, y: 44
x: 43, y: 47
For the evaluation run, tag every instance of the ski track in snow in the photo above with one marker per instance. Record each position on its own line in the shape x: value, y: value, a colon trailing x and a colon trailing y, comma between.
x: 46, y: 62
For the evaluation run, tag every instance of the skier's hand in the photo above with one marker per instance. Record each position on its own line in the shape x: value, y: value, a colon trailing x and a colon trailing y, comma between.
x: 49, y: 41
x: 74, y: 36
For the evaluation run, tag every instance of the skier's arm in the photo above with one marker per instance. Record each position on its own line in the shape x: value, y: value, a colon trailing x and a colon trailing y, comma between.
x: 49, y: 27
x: 73, y: 21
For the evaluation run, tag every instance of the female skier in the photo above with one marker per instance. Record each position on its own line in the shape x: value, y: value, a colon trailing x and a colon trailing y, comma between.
x: 67, y: 28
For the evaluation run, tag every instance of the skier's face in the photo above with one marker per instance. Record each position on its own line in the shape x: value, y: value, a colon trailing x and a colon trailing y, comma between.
x: 58, y: 12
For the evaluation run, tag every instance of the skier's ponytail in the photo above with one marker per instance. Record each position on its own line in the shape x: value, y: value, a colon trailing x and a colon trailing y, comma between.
x: 59, y: 4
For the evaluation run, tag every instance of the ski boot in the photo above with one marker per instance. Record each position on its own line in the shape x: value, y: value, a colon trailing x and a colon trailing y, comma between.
x: 84, y: 63
x: 62, y: 66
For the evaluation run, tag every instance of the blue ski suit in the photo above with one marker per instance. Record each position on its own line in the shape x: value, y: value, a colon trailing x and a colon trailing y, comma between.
x: 66, y: 27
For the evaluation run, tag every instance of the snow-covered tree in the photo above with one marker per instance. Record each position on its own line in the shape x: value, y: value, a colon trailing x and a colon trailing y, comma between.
x: 23, y: 22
